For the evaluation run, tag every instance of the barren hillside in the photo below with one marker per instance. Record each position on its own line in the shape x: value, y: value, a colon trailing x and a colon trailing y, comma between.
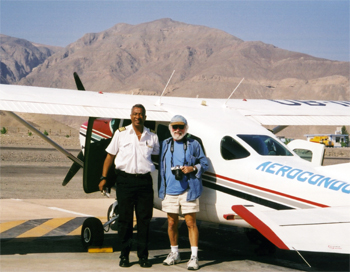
x: 18, y: 57
x: 208, y: 62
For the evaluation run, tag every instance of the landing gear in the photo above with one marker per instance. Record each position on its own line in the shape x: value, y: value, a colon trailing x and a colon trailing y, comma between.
x: 92, y: 232
x: 113, y: 213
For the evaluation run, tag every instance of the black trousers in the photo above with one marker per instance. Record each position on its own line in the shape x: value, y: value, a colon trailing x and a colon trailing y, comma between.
x: 134, y: 192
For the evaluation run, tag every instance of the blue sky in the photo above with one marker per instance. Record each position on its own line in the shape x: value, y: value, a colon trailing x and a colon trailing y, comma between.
x: 318, y: 28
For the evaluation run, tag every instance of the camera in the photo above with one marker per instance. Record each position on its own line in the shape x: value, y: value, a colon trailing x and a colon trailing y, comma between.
x: 176, y: 170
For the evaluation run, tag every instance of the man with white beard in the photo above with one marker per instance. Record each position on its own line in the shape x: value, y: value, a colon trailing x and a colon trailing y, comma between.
x: 182, y: 162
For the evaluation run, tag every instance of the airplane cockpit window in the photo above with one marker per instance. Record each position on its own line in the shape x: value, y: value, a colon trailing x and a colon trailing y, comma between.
x: 230, y: 149
x: 265, y: 145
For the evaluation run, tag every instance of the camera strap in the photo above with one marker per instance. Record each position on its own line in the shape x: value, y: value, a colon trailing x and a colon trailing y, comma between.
x: 172, y: 152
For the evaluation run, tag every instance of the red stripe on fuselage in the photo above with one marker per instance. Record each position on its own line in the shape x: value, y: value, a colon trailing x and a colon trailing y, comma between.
x: 259, y: 225
x: 267, y: 190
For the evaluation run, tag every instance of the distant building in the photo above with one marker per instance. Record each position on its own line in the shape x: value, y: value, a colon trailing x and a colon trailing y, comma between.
x: 337, y: 139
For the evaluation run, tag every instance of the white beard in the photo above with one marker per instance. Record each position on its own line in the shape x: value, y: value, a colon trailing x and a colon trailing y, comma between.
x: 177, y: 136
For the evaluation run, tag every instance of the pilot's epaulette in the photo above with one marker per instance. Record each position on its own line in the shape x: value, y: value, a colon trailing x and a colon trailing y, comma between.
x: 153, y: 131
x: 121, y: 129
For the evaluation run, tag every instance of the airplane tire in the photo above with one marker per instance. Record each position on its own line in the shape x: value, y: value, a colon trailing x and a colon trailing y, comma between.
x: 113, y: 225
x: 92, y: 232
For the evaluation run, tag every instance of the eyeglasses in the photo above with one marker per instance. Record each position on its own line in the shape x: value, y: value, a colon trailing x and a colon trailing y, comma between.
x: 178, y: 126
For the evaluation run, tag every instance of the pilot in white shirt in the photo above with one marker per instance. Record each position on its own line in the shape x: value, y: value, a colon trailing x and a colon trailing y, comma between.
x: 131, y: 149
x: 134, y: 155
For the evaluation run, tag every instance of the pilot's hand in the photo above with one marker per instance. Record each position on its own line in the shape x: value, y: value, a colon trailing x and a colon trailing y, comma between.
x: 187, y: 169
x: 102, y: 184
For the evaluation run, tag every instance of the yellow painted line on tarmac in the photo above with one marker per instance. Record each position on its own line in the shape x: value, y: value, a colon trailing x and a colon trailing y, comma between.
x: 9, y: 225
x: 45, y: 227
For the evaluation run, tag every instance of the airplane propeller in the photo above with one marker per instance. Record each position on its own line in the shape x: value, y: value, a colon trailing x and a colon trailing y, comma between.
x: 73, y: 169
x: 75, y: 166
x: 78, y: 82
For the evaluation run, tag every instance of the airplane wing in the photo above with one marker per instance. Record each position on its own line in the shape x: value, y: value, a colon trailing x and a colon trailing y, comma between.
x: 71, y: 102
x: 294, y: 112
x: 319, y: 229
x: 111, y: 105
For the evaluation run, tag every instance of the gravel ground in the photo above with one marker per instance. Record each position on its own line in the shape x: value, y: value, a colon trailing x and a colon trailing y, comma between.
x: 29, y: 149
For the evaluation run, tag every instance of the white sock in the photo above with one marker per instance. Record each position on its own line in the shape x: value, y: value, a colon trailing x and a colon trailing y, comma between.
x: 194, y: 251
x: 174, y: 248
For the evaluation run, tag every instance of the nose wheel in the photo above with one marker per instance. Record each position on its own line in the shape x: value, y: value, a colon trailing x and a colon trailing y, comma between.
x: 92, y: 232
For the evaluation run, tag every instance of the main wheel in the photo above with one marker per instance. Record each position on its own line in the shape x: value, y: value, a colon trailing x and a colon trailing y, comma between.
x: 92, y: 232
x: 111, y: 214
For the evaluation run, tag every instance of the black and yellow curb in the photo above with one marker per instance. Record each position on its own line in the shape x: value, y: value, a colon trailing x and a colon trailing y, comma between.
x: 42, y: 227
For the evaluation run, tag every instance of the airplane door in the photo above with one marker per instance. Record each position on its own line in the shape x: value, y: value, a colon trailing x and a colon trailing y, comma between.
x: 95, y: 155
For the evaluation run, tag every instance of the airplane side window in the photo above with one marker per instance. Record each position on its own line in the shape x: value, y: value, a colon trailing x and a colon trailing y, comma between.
x: 304, y: 154
x: 230, y: 149
x: 265, y: 145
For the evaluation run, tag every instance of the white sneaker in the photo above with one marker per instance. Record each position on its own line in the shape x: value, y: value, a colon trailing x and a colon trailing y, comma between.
x: 193, y: 263
x: 173, y: 258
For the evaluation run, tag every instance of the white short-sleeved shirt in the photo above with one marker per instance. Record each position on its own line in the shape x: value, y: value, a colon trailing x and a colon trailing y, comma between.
x: 134, y: 155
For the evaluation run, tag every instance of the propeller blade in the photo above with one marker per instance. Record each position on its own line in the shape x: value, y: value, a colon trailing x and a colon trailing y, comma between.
x: 78, y: 82
x: 73, y: 169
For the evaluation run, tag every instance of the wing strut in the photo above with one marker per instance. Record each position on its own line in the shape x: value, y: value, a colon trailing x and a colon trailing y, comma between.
x: 47, y: 139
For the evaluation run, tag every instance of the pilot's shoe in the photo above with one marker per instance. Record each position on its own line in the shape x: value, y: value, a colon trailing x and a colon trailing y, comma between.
x: 173, y: 258
x: 193, y: 263
x: 124, y: 261
x: 144, y: 262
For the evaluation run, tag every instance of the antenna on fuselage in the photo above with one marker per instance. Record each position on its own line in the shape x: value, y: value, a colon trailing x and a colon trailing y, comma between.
x: 159, y: 102
x: 233, y: 92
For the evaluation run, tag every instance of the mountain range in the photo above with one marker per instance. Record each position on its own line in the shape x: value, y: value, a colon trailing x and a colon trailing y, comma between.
x: 208, y: 62
x: 139, y: 59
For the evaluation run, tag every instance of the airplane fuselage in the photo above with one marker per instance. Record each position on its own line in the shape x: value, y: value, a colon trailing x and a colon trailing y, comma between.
x: 245, y: 170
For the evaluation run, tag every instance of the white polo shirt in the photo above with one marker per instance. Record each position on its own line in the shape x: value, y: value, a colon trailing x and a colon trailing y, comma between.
x: 134, y: 155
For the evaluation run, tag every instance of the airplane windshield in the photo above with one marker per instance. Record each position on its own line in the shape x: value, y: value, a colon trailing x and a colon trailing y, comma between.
x: 265, y: 145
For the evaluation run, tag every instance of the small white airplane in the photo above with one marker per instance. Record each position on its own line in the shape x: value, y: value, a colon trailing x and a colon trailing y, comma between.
x: 253, y: 181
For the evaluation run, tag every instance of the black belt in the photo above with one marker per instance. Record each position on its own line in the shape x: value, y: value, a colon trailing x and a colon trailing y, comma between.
x: 122, y: 173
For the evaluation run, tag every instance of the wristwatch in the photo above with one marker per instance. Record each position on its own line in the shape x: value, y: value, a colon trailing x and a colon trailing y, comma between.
x: 194, y: 168
x: 102, y: 178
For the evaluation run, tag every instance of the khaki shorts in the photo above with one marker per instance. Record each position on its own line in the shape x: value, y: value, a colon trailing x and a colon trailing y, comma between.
x: 179, y: 205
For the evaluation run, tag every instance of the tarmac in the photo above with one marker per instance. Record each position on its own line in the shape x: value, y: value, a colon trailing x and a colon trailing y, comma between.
x: 44, y: 235
x: 40, y: 226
